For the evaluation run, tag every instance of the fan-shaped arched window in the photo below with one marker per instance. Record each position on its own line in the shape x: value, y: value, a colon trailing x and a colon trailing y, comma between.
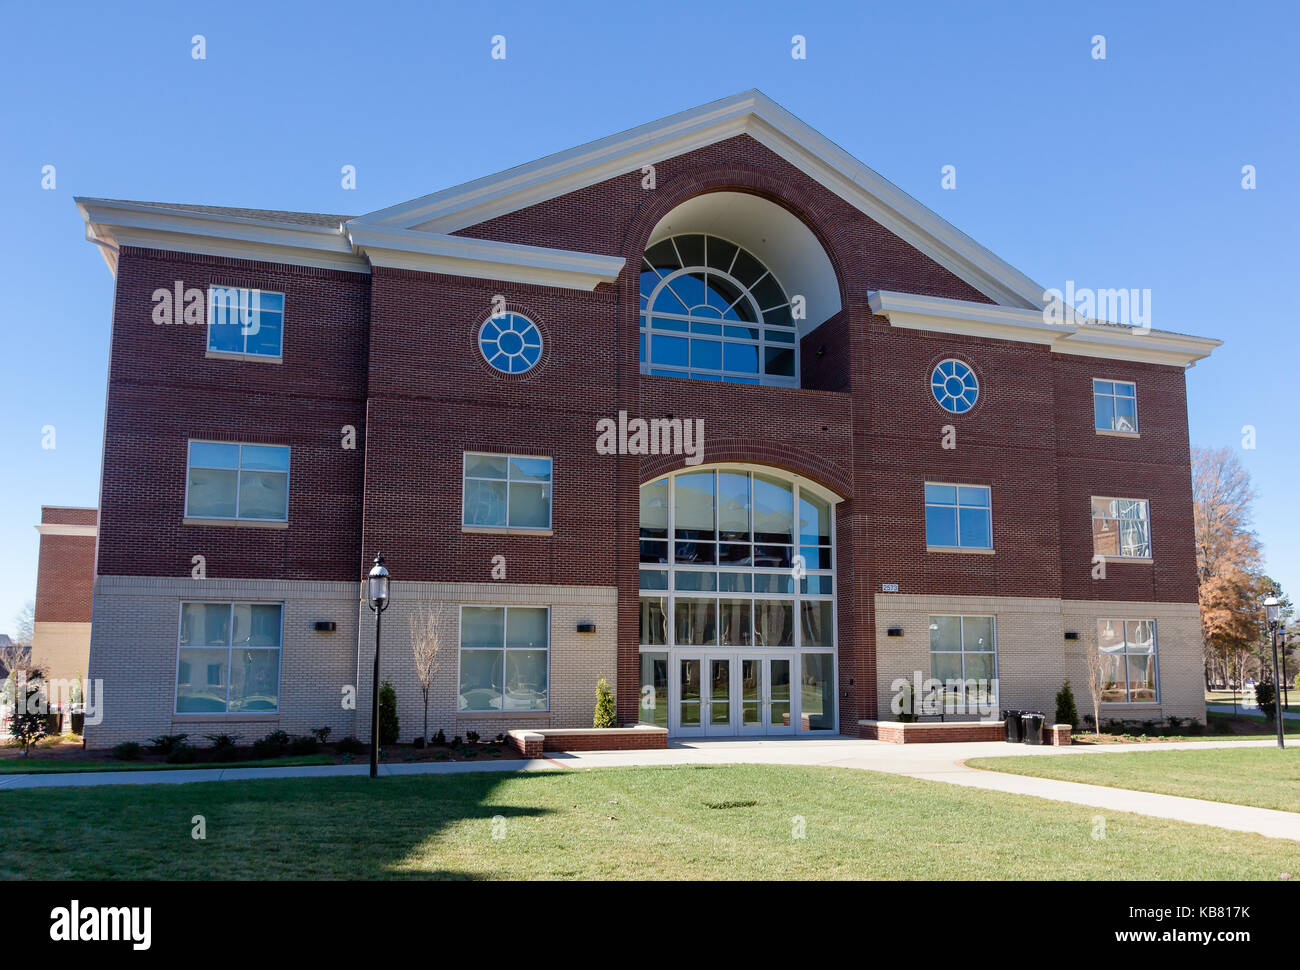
x: 710, y: 310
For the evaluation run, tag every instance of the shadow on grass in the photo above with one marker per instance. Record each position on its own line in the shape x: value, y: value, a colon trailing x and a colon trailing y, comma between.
x: 334, y: 828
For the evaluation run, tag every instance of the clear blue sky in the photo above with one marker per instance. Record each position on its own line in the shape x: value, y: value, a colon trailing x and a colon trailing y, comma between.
x: 1117, y: 173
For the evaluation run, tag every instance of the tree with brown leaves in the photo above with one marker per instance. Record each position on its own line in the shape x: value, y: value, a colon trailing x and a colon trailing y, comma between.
x: 1227, y: 556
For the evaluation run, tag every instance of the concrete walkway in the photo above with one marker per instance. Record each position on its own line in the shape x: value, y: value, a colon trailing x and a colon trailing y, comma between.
x: 1252, y: 709
x: 930, y: 762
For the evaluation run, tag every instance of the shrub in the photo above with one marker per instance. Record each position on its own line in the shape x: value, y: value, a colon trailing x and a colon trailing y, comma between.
x: 418, y: 743
x: 1066, y: 712
x: 388, y: 724
x: 271, y: 746
x: 126, y: 751
x: 1114, y: 727
x: 501, y: 737
x: 1149, y: 727
x: 440, y: 737
x: 472, y: 737
x: 1195, y: 727
x: 182, y: 754
x: 349, y: 745
x: 321, y: 734
x: 1264, y: 696
x: 304, y: 744
x: 906, y: 713
x: 167, y: 743
x: 604, y: 717
x: 78, y: 722
x: 223, y: 745
x: 456, y: 742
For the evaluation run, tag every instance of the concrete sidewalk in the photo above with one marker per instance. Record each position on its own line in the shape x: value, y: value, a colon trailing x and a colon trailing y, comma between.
x: 930, y: 762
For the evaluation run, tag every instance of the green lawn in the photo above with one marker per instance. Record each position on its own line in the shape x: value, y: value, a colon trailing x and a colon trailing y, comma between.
x: 732, y: 822
x: 36, y: 766
x: 1264, y: 777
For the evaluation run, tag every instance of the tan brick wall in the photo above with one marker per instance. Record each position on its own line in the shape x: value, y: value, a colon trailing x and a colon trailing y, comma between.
x: 577, y: 660
x: 63, y: 649
x: 1179, y: 657
x: 1034, y: 658
x: 133, y: 651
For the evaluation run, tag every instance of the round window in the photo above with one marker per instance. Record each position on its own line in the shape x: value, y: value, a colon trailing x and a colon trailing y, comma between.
x: 510, y: 343
x: 954, y: 386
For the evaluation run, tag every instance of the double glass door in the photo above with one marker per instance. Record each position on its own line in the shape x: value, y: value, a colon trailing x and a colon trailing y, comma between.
x: 734, y: 693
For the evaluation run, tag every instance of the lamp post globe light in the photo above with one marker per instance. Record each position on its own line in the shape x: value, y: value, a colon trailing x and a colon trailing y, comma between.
x: 377, y: 596
x: 1272, y: 613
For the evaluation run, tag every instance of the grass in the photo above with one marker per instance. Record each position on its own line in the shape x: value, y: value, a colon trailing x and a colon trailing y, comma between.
x: 1262, y: 777
x: 687, y: 822
x: 35, y: 766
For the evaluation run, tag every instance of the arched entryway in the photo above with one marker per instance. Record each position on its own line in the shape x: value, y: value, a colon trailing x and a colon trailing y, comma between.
x: 737, y: 602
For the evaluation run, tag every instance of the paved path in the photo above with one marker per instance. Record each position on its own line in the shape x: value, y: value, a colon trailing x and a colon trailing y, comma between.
x: 931, y: 762
x: 1253, y: 710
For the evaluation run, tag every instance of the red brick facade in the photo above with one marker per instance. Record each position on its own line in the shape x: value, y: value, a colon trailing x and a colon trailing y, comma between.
x: 393, y: 354
x: 65, y: 573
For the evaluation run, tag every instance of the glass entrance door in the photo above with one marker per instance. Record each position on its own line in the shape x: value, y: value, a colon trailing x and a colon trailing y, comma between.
x: 718, y: 706
x: 764, y: 694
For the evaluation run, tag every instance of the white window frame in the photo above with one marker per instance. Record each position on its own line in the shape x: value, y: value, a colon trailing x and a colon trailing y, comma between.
x: 460, y: 649
x: 962, y: 651
x: 245, y: 354
x: 958, y: 507
x: 238, y: 470
x: 230, y: 649
x: 1120, y: 556
x: 522, y: 529
x: 1112, y: 430
x: 759, y: 378
x: 1155, y: 657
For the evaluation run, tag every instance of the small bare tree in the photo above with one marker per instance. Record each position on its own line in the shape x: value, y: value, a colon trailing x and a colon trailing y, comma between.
x: 424, y: 648
x: 1096, y: 682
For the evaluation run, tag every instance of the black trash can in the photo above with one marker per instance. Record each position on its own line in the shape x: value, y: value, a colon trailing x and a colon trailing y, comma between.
x: 1011, y: 721
x: 1031, y: 726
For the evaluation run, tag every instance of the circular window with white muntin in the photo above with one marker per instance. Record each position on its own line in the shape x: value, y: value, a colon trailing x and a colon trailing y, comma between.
x: 510, y: 343
x: 954, y: 386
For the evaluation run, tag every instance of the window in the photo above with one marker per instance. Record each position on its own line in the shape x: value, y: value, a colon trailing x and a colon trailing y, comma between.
x: 954, y: 386
x: 229, y: 658
x: 964, y: 648
x: 1114, y: 406
x: 1121, y: 528
x: 747, y: 561
x: 1128, y: 648
x: 504, y: 658
x: 654, y: 689
x: 247, y: 322
x: 510, y: 343
x: 232, y: 481
x: 958, y: 516
x: 710, y: 310
x: 506, y: 492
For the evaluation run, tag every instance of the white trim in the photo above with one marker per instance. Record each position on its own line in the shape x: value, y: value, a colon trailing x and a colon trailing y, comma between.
x: 62, y: 529
x: 431, y: 252
x: 182, y: 230
x: 750, y: 112
x: 505, y: 609
x: 909, y: 311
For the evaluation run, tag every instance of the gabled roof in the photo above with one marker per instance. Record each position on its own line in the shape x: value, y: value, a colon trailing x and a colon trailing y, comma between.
x: 750, y: 112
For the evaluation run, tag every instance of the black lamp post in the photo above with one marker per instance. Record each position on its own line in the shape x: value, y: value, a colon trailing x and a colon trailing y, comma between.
x: 1272, y: 611
x: 377, y: 594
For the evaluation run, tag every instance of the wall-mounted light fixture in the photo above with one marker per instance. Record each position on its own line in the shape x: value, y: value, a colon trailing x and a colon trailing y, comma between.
x: 1071, y: 634
x: 895, y: 631
x: 326, y: 626
x: 586, y: 628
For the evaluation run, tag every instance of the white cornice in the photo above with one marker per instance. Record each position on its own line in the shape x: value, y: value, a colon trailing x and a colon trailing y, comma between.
x: 114, y: 224
x: 63, y: 529
x: 1080, y: 337
x: 483, y: 259
x: 752, y: 113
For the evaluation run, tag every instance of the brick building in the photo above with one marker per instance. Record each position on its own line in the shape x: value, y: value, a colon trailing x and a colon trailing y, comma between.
x: 870, y: 452
x: 65, y: 578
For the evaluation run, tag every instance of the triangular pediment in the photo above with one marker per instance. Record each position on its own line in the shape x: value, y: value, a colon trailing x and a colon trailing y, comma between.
x: 749, y: 113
